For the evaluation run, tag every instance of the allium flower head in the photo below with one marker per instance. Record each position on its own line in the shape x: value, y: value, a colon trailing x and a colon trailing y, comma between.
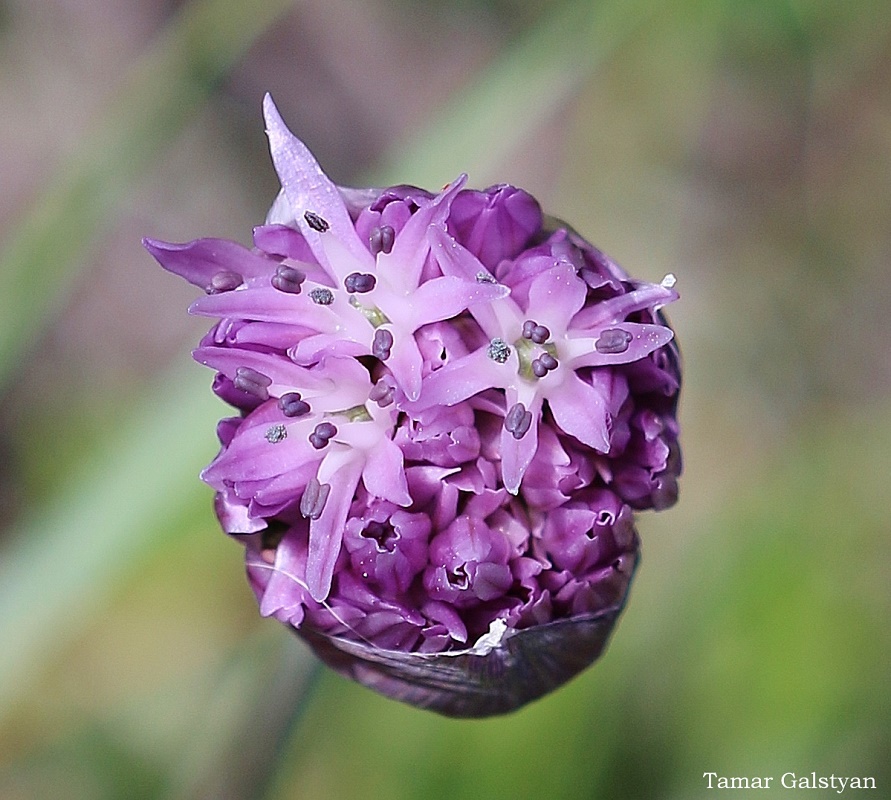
x: 447, y: 408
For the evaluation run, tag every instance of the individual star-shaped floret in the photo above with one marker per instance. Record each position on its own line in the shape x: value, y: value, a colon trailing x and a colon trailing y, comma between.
x: 373, y: 299
x: 534, y: 353
x: 315, y: 444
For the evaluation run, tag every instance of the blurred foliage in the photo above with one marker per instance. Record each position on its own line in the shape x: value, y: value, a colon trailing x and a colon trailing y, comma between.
x: 174, y: 76
x: 734, y: 144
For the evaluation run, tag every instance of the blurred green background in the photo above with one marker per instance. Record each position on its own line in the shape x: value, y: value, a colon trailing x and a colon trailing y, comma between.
x: 744, y: 145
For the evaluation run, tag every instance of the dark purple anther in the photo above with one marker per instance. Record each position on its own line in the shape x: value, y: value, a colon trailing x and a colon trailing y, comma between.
x: 537, y: 333
x: 316, y: 222
x: 224, y: 281
x: 288, y: 279
x: 312, y: 504
x: 276, y: 433
x: 518, y: 420
x: 548, y: 361
x: 540, y: 334
x: 382, y: 393
x: 253, y: 382
x: 359, y: 282
x: 292, y: 405
x: 381, y: 239
x: 612, y: 341
x: 320, y: 436
x: 322, y: 296
x: 542, y: 365
x: 380, y: 346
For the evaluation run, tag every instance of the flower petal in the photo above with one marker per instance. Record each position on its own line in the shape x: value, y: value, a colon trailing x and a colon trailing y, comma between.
x: 285, y: 374
x: 200, y: 260
x: 316, y: 347
x: 445, y: 297
x: 496, y: 223
x: 326, y: 532
x: 580, y: 410
x: 406, y: 260
x: 250, y: 456
x: 286, y: 588
x: 286, y: 242
x: 309, y: 189
x: 517, y: 454
x: 265, y: 304
x: 555, y: 296
x: 455, y: 260
x: 616, y: 309
x: 406, y: 364
x: 644, y: 339
x: 463, y: 378
x: 384, y: 473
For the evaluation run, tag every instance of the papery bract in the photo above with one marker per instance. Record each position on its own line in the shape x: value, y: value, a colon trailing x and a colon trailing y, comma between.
x: 449, y: 406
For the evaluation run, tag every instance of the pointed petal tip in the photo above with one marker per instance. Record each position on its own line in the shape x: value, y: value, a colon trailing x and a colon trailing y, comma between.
x: 450, y: 190
x: 269, y: 108
x: 512, y: 475
x: 200, y: 355
x: 459, y: 182
x: 412, y: 393
x: 159, y: 248
x: 318, y: 591
x: 319, y: 577
x: 156, y: 247
x: 275, y: 124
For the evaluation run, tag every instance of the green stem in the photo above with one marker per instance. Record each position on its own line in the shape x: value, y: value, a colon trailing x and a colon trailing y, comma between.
x: 257, y: 699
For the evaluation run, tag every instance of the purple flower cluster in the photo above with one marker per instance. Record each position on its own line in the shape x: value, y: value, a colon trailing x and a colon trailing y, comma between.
x: 447, y: 408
